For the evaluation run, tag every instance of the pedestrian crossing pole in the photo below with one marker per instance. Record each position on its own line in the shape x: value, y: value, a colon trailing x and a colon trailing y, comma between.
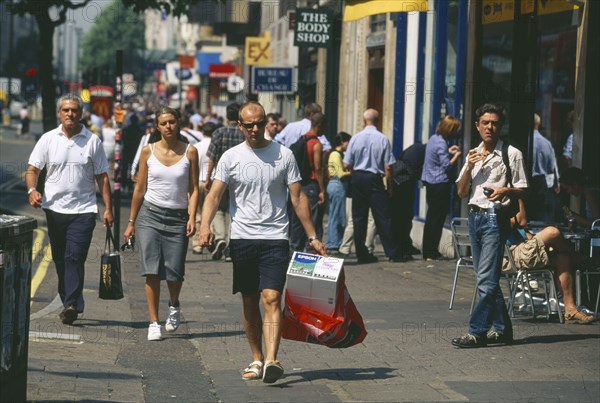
x: 118, y: 167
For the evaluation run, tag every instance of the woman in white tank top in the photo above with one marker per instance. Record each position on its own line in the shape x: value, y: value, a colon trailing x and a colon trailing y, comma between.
x: 162, y: 214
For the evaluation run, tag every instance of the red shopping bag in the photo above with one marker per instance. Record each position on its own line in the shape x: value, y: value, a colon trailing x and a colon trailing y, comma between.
x: 344, y: 328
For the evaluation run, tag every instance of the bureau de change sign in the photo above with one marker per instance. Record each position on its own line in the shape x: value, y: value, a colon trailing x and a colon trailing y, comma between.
x: 312, y: 28
x: 278, y: 80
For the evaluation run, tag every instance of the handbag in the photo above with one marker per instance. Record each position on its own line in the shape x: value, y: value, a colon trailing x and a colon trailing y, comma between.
x: 111, y: 286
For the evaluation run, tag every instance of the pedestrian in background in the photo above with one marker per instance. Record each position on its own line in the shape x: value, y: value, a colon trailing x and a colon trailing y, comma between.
x: 207, y: 130
x: 542, y: 199
x: 271, y: 127
x: 313, y: 187
x: 406, y: 172
x: 293, y: 131
x: 336, y: 192
x: 162, y: 215
x: 369, y: 155
x: 223, y: 139
x: 437, y: 176
x: 259, y: 232
x: 24, y: 120
x: 489, y: 224
x: 75, y: 163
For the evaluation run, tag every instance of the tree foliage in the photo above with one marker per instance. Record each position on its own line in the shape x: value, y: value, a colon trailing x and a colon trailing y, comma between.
x: 116, y: 28
x: 49, y: 14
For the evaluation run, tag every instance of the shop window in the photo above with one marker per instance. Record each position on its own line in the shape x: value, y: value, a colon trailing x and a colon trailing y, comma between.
x: 378, y: 22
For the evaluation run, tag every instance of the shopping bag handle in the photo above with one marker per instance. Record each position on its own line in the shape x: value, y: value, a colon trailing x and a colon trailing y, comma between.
x: 110, y: 239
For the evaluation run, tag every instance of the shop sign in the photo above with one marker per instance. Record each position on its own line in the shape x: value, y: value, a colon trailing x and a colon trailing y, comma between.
x: 257, y: 50
x: 279, y: 80
x: 312, y: 28
x: 221, y: 70
x: 497, y: 11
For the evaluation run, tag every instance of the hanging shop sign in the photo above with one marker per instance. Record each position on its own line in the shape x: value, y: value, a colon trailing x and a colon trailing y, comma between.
x: 312, y: 28
x: 257, y: 50
x: 278, y: 80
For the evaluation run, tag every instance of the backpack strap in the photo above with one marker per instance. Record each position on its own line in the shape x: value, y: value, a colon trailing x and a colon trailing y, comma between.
x: 506, y: 163
x: 192, y: 135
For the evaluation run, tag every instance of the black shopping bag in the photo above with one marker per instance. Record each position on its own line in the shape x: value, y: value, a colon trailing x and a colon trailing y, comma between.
x: 110, y: 269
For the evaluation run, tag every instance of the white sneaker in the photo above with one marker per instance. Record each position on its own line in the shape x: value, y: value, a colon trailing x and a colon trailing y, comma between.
x: 154, y: 332
x: 172, y: 322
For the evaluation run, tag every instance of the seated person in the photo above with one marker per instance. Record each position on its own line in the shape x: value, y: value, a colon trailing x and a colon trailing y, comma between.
x: 575, y: 182
x: 547, y: 248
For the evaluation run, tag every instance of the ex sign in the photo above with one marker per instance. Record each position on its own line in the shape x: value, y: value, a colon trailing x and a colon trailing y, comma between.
x: 257, y: 50
x: 312, y: 28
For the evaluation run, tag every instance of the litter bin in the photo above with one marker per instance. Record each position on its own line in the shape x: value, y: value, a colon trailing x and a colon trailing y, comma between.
x: 16, y: 241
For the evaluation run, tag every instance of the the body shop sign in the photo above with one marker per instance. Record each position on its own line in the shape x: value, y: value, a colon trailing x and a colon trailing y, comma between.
x: 312, y: 28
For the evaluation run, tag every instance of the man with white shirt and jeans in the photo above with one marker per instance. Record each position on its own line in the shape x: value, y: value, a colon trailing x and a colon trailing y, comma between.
x: 485, y: 169
x: 75, y: 162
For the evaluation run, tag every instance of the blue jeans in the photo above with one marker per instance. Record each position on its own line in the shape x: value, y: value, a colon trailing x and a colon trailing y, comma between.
x: 337, y: 213
x: 488, y: 240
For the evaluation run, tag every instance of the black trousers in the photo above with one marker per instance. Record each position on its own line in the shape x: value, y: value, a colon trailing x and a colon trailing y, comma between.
x: 402, y: 214
x: 368, y: 192
x: 438, y: 204
x: 70, y: 238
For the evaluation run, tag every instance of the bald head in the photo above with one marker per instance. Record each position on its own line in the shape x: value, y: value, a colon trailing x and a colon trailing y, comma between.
x: 251, y: 108
x: 536, y: 121
x: 371, y: 117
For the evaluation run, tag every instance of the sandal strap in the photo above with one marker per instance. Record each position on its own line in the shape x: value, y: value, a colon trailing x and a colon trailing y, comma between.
x: 257, y: 362
x: 252, y: 367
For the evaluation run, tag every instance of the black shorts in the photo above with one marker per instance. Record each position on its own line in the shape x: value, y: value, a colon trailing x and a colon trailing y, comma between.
x: 259, y: 264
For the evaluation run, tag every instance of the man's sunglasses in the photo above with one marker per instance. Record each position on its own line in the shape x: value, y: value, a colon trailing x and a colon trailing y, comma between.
x: 249, y: 126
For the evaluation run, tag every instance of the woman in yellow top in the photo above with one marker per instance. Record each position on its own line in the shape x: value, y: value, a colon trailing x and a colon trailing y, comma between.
x: 336, y: 193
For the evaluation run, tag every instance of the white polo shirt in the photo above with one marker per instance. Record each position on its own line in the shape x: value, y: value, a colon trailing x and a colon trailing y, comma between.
x: 72, y: 166
x: 492, y: 172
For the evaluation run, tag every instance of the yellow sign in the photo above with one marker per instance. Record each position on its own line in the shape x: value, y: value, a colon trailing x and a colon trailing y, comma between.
x: 494, y: 11
x: 257, y: 50
x: 356, y: 10
x: 546, y: 6
x: 85, y: 95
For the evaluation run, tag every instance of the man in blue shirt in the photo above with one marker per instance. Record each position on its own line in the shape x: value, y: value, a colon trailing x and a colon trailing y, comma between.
x: 542, y: 198
x: 370, y: 157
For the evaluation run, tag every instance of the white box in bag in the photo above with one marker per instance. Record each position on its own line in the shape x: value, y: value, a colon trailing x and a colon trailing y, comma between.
x: 312, y: 281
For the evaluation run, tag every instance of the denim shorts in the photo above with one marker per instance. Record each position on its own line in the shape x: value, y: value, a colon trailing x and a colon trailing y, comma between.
x: 162, y: 242
x: 259, y: 264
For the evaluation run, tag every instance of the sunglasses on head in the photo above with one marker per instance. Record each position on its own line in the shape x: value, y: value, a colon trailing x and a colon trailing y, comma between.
x: 250, y: 126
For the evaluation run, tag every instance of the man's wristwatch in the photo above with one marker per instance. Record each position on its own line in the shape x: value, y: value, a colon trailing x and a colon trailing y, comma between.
x: 30, y: 190
x: 312, y: 238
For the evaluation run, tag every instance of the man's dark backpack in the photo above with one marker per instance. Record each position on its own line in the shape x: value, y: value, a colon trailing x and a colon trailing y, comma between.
x: 301, y: 155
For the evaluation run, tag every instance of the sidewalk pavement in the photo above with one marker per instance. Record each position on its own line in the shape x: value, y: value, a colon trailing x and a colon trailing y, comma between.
x: 406, y: 356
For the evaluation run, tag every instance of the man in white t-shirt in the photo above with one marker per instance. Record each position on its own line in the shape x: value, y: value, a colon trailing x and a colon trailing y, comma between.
x: 75, y: 163
x: 259, y: 174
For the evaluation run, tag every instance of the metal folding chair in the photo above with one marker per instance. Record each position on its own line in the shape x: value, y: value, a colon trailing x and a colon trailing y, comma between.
x: 520, y: 281
x: 462, y: 251
x: 594, y: 243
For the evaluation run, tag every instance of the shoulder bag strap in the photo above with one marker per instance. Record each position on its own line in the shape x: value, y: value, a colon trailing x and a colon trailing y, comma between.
x: 507, y: 163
